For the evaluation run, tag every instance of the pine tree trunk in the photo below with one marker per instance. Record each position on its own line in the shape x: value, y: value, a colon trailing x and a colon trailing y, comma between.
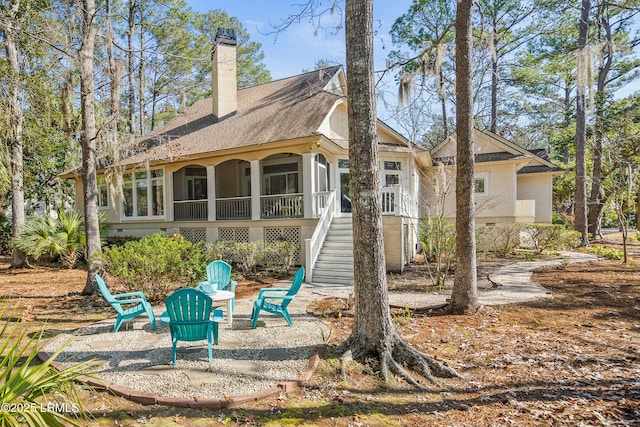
x: 372, y: 329
x: 581, y: 128
x: 568, y: 115
x: 114, y: 87
x: 464, y: 296
x: 88, y: 141
x: 16, y: 119
x: 67, y: 106
x: 443, y: 104
x: 131, y: 67
x: 141, y: 78
x: 494, y: 82
x: 373, y: 336
x: 596, y: 202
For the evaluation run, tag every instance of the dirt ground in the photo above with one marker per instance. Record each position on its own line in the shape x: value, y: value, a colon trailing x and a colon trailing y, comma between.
x: 573, y: 359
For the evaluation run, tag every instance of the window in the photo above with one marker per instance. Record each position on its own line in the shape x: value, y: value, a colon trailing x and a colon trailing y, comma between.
x: 392, y: 166
x: 143, y: 194
x: 391, y: 175
x: 103, y: 193
x: 481, y: 184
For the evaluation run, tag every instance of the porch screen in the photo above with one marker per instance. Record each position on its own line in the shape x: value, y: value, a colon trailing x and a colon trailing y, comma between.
x: 281, y: 179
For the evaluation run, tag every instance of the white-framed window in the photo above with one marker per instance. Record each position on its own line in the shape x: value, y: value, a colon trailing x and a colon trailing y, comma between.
x: 391, y: 171
x: 143, y: 194
x: 103, y: 193
x: 481, y: 184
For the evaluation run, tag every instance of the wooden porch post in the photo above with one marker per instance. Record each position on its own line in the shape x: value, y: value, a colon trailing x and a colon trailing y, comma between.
x: 308, y: 184
x: 255, y: 190
x: 211, y: 193
x: 168, y: 182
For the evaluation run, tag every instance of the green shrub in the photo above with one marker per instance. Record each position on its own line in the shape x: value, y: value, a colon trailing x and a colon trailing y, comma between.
x: 483, y: 244
x: 567, y: 239
x: 247, y: 256
x: 60, y: 238
x: 222, y: 249
x: 276, y: 256
x: 502, y: 239
x: 610, y: 219
x: 119, y: 240
x: 608, y: 253
x: 279, y: 256
x: 558, y: 218
x: 438, y: 239
x: 156, y: 264
x: 544, y: 237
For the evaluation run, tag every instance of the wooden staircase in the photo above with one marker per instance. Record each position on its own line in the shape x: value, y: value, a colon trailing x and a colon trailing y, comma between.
x: 334, y: 265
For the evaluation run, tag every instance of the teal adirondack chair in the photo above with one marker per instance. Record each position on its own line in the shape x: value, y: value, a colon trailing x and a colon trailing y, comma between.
x: 189, y: 312
x: 219, y: 274
x: 135, y: 304
x: 284, y: 295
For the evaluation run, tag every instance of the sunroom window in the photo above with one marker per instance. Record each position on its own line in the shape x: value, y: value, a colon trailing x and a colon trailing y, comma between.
x: 143, y: 194
x: 103, y: 193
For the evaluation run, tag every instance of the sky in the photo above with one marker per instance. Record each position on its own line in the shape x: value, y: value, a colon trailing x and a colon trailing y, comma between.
x: 300, y: 46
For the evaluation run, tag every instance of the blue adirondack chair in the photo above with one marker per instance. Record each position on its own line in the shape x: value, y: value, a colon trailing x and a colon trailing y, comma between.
x: 284, y: 295
x: 135, y: 304
x: 219, y: 274
x: 189, y: 312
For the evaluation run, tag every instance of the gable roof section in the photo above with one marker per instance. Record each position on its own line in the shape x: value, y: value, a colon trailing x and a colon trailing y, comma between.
x: 280, y: 110
x: 539, y: 159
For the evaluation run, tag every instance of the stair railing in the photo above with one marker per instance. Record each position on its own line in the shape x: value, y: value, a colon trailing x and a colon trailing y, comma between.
x: 313, y: 245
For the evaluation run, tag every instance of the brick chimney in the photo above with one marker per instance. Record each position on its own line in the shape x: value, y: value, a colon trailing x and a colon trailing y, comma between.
x: 223, y: 74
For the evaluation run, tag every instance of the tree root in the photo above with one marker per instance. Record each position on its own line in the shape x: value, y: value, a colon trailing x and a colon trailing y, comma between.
x: 425, y: 365
x: 400, y: 359
x: 393, y: 366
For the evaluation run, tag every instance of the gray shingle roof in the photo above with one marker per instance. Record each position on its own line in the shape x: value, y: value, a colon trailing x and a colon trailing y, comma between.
x: 539, y: 169
x: 479, y: 158
x: 280, y: 110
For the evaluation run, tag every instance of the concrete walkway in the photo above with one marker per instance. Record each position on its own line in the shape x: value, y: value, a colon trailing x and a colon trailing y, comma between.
x: 514, y: 282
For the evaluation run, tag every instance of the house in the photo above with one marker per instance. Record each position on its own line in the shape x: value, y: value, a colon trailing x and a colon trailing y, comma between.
x: 512, y: 184
x: 262, y: 163
x: 265, y: 162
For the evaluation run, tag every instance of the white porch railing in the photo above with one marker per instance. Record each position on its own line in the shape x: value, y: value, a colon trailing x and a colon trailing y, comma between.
x: 282, y: 206
x: 313, y: 245
x: 233, y: 208
x: 396, y: 201
x: 190, y: 210
x: 320, y: 200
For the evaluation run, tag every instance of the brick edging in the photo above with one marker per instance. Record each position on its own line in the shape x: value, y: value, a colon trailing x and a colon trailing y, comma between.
x: 146, y: 398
